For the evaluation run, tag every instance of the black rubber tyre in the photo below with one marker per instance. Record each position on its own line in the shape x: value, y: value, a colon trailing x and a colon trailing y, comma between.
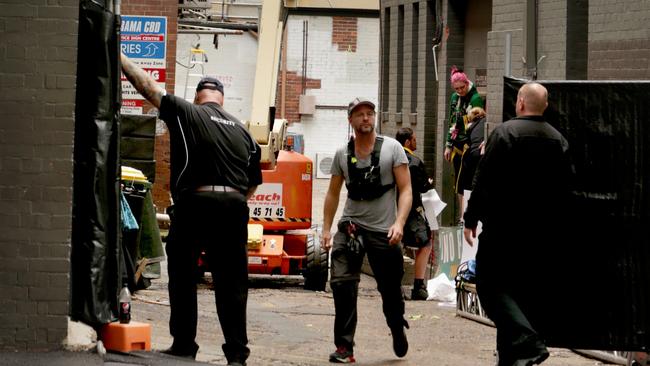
x: 315, y: 272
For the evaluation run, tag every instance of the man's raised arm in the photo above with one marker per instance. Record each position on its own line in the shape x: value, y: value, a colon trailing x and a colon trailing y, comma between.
x: 142, y: 82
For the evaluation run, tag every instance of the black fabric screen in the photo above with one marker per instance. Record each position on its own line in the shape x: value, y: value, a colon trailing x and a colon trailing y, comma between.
x: 597, y: 293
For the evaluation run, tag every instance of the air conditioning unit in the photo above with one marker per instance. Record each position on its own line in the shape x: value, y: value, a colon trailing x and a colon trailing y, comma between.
x: 323, y: 164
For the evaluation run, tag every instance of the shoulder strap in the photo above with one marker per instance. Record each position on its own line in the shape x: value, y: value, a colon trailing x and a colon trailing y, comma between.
x: 351, y: 148
x: 351, y: 160
x: 379, y: 140
x: 374, y: 157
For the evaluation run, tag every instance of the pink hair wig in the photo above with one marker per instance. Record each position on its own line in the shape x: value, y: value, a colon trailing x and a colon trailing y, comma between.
x: 458, y: 75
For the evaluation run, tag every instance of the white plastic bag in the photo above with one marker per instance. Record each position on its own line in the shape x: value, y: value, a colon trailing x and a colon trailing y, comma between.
x: 441, y: 289
x: 433, y: 205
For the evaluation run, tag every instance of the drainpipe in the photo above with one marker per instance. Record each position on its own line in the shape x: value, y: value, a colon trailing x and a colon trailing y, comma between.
x: 507, y: 65
x: 437, y: 37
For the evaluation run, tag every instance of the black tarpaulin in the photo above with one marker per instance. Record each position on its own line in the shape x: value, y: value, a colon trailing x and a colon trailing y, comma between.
x: 597, y: 289
x: 95, y: 265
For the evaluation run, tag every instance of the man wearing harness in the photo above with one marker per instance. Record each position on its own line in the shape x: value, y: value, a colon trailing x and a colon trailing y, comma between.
x: 215, y: 168
x: 372, y: 167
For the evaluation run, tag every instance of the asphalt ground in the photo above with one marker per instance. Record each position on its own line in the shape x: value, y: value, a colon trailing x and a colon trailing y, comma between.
x: 288, y: 325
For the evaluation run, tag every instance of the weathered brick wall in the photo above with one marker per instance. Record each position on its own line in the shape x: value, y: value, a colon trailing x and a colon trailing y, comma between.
x: 408, y: 88
x: 169, y: 9
x: 452, y: 52
x: 619, y: 43
x: 552, y: 26
x: 38, y: 54
x: 344, y: 33
x: 508, y: 20
x: 335, y: 76
x: 294, y: 88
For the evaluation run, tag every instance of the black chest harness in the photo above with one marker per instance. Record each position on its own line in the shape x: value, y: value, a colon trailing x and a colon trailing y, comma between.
x: 365, y: 183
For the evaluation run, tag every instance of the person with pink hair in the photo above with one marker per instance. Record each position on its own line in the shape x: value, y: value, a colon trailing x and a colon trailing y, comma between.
x: 464, y: 98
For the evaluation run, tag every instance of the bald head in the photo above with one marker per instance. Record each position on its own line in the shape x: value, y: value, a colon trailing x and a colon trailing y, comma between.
x: 532, y: 100
x: 208, y: 96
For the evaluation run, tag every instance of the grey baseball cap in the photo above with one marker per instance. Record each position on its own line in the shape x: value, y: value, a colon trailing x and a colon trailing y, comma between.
x: 357, y: 102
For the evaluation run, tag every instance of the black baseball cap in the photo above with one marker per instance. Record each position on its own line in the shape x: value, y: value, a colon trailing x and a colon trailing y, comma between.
x: 209, y: 82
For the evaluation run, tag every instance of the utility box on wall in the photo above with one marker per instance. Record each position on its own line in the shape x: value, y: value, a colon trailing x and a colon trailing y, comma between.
x: 307, y: 104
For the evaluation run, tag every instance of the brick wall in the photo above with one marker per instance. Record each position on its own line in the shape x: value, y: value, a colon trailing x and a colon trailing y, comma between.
x: 169, y: 9
x: 344, y: 33
x: 551, y: 37
x: 293, y: 90
x: 452, y: 52
x: 579, y: 40
x: 335, y: 76
x: 619, y: 44
x: 508, y: 20
x: 37, y: 95
x: 409, y: 90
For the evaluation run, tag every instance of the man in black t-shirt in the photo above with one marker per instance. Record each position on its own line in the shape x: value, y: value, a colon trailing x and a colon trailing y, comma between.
x: 215, y: 168
x: 417, y: 233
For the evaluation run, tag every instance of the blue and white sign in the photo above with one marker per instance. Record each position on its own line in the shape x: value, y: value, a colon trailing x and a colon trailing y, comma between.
x: 144, y: 37
x: 143, y: 40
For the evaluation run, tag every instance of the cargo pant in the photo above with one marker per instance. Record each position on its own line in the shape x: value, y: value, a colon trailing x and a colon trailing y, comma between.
x: 386, y: 262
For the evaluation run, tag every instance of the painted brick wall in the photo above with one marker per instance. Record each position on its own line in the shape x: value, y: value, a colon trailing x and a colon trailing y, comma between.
x: 168, y: 8
x: 38, y: 56
x: 342, y: 75
x: 619, y: 42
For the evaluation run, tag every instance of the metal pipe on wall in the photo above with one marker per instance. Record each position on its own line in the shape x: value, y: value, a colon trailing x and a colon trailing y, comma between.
x: 507, y: 65
x: 305, y: 43
x: 435, y: 61
x: 210, y: 31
